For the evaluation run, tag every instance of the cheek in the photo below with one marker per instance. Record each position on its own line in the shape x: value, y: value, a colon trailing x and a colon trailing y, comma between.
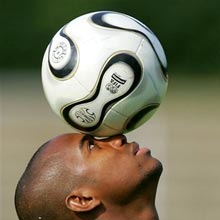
x: 117, y: 180
x: 116, y: 171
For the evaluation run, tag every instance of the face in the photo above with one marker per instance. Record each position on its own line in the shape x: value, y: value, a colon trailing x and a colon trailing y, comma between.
x: 112, y: 164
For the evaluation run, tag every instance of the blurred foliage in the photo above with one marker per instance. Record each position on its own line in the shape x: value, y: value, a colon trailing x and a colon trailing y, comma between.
x: 188, y: 30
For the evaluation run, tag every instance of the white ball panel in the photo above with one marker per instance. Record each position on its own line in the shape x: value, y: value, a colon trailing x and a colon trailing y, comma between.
x: 122, y: 21
x: 60, y: 92
x: 151, y: 88
x: 127, y: 22
x: 116, y: 81
x: 97, y: 42
x: 152, y: 68
x: 93, y: 57
x: 137, y: 100
x: 60, y: 52
x: 115, y: 120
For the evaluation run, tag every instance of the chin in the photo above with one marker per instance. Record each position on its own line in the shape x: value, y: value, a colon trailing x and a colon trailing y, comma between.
x: 158, y: 168
x: 150, y: 179
x: 154, y: 171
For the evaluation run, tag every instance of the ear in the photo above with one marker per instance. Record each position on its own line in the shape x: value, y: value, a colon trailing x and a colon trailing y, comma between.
x: 81, y: 203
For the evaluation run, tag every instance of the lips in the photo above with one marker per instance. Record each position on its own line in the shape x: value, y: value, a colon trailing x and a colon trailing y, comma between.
x: 137, y: 150
x: 143, y: 151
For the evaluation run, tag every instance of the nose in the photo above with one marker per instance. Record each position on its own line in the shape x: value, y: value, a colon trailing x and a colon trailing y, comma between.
x: 116, y: 141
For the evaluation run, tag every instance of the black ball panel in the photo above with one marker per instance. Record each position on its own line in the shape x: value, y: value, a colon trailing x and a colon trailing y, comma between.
x: 140, y: 117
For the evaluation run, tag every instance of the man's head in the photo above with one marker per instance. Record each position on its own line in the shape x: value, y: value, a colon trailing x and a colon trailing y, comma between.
x: 75, y: 176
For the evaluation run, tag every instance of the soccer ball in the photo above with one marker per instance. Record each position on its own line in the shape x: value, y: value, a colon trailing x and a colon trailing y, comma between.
x: 104, y: 73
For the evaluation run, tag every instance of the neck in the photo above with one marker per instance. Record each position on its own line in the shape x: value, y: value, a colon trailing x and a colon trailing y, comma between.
x: 140, y: 207
x: 137, y: 212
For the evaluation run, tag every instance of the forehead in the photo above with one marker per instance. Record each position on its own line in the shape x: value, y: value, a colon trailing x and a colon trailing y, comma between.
x: 64, y: 143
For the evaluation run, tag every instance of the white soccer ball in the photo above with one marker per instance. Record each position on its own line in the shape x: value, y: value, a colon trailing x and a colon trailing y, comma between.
x: 104, y: 73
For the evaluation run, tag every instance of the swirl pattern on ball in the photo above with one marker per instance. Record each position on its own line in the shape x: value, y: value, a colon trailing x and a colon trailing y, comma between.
x: 83, y: 115
x: 101, y: 19
x: 104, y: 73
x: 62, y: 56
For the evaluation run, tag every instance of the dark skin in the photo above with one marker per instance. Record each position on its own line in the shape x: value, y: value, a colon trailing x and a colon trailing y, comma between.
x: 113, y: 179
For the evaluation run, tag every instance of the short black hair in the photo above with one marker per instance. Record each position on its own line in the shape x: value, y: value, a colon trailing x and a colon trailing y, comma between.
x: 41, y: 190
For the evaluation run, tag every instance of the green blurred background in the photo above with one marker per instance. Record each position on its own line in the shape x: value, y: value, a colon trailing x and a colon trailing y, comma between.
x: 188, y: 30
x: 184, y: 133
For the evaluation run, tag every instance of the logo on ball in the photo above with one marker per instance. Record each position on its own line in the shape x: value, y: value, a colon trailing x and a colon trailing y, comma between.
x: 59, y: 52
x: 115, y: 83
x: 85, y: 116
